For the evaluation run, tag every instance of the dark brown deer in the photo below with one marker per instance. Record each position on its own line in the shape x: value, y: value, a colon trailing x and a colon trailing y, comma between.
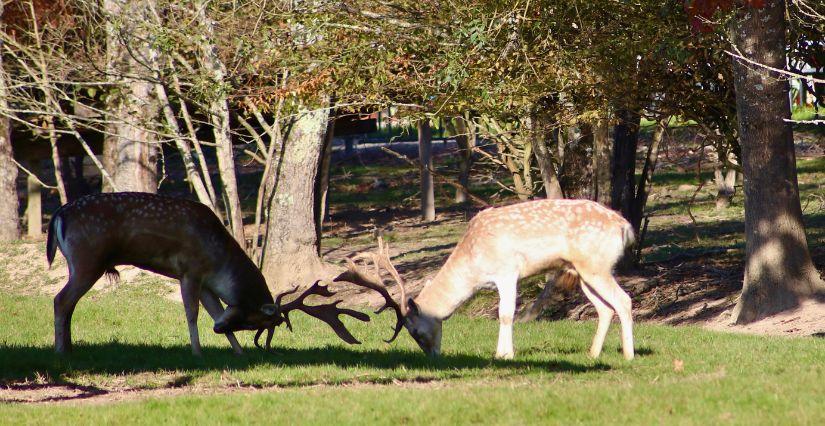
x: 180, y: 239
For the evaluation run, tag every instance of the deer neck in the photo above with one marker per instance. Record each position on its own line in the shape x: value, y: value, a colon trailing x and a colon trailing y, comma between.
x: 448, y: 290
x: 240, y: 283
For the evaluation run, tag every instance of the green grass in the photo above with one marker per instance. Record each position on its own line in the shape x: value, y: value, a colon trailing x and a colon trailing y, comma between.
x: 138, y: 340
x: 671, y: 232
x: 132, y: 338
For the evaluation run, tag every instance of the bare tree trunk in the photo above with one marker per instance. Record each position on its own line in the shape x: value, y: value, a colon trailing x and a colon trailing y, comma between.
x: 534, y: 310
x: 219, y: 118
x: 574, y: 174
x: 527, y: 164
x: 623, y: 168
x: 321, y: 205
x: 425, y: 158
x: 601, y: 162
x: 540, y: 135
x: 34, y: 203
x: 9, y: 216
x: 184, y: 148
x: 290, y: 254
x: 193, y: 138
x: 268, y: 179
x: 725, y: 186
x: 56, y: 160
x: 130, y: 148
x: 109, y: 157
x: 639, y: 201
x: 779, y: 272
x: 466, y: 142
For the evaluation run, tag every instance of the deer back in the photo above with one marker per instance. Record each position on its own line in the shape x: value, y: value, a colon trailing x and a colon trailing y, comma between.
x: 170, y: 236
x: 538, y: 235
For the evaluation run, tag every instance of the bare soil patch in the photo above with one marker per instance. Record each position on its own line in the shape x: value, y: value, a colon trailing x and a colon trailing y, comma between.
x: 54, y: 393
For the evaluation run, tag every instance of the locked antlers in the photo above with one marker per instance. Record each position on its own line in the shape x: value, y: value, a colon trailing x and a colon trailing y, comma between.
x: 358, y: 276
x: 330, y: 312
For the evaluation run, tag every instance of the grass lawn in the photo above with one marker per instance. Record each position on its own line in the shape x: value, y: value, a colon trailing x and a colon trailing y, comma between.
x: 133, y: 363
x: 130, y: 339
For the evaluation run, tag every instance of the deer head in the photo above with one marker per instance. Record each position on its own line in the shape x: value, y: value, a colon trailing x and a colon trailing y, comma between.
x: 424, y: 329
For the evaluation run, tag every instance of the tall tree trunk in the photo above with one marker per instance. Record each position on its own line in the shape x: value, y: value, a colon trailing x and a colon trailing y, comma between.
x: 290, y: 255
x: 637, y: 206
x: 623, y: 170
x: 465, y: 139
x: 130, y: 151
x: 540, y: 137
x: 57, y: 161
x: 182, y: 143
x: 573, y: 176
x: 425, y: 158
x: 268, y: 179
x: 778, y: 267
x: 34, y: 202
x: 109, y: 157
x: 219, y: 118
x: 601, y: 162
x: 9, y: 215
x: 193, y: 138
x: 322, y: 183
x: 725, y: 186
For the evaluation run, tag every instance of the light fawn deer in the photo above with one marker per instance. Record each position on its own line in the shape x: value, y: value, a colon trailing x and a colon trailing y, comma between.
x: 502, y: 245
x: 180, y: 239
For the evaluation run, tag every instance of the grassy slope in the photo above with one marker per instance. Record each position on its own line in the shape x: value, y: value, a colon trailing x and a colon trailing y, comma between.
x: 131, y: 338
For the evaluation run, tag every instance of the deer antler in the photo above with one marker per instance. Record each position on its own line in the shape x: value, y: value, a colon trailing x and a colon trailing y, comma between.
x: 279, y: 319
x: 357, y: 276
x: 327, y: 313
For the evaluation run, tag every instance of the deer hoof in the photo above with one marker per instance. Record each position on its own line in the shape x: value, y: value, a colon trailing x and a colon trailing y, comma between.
x: 504, y: 356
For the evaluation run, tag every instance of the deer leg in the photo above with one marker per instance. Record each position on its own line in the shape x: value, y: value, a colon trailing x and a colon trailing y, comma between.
x: 506, y: 311
x: 606, y: 287
x: 605, y: 316
x: 190, y: 293
x: 623, y: 307
x: 64, y: 303
x: 215, y: 309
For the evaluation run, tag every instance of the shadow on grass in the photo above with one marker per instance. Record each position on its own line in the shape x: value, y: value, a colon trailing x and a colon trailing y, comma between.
x: 33, y: 362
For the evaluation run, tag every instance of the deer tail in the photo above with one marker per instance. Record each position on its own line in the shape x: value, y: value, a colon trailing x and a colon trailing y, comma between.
x: 567, y: 278
x: 55, y: 233
x: 628, y: 236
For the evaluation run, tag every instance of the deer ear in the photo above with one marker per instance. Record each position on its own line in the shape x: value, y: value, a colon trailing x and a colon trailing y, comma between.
x: 270, y: 309
x: 412, y: 307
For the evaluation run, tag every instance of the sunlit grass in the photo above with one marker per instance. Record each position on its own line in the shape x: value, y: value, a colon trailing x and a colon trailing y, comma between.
x: 140, y: 341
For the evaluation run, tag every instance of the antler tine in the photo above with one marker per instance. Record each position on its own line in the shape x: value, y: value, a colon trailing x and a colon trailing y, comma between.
x: 327, y: 313
x: 383, y: 257
x: 269, y: 333
x: 358, y: 277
